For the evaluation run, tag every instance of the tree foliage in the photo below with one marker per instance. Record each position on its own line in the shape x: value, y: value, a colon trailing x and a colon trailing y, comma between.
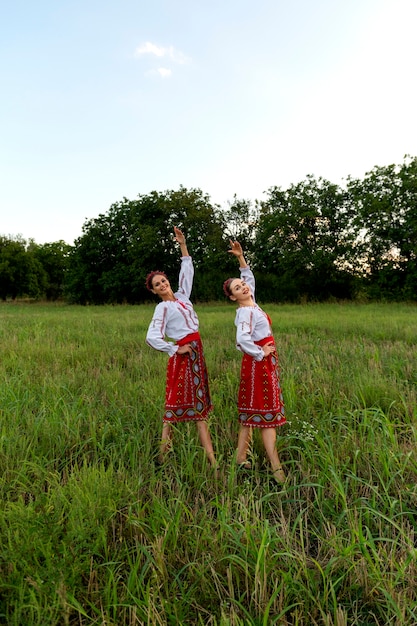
x: 312, y: 241
x: 110, y: 261
x: 305, y: 242
x: 385, y: 203
x: 54, y: 260
x: 20, y: 272
x: 29, y: 270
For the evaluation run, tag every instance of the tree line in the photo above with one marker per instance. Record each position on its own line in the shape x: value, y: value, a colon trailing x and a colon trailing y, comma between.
x: 314, y: 241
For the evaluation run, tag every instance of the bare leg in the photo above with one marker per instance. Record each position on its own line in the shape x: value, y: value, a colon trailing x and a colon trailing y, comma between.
x: 205, y: 439
x: 269, y: 437
x: 166, y: 441
x: 243, y: 442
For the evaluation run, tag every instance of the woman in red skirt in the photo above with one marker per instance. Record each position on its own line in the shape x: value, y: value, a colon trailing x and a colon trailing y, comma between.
x: 260, y: 403
x: 187, y: 395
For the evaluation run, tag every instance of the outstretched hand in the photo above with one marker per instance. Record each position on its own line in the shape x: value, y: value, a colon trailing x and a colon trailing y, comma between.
x: 179, y: 235
x: 236, y: 248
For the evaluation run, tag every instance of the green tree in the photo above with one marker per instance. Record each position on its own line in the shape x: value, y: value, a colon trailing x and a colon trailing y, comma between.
x: 385, y: 203
x: 53, y: 258
x: 305, y: 244
x: 21, y: 274
x: 240, y: 221
x: 110, y: 261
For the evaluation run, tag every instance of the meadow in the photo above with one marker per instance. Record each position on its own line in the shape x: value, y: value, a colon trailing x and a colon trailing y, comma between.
x: 92, y: 532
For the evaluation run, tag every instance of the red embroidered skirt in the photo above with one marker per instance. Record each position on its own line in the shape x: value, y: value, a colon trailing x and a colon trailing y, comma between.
x: 187, y: 395
x: 260, y: 402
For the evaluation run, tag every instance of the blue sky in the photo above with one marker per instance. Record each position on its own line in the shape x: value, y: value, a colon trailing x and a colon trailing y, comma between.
x: 104, y: 100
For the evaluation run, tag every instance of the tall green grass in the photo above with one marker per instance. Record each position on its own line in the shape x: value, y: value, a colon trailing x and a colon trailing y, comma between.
x: 93, y: 533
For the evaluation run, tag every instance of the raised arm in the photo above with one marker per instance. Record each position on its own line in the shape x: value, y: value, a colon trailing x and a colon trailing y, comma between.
x: 236, y: 250
x: 185, y: 283
x: 179, y: 237
x: 246, y: 273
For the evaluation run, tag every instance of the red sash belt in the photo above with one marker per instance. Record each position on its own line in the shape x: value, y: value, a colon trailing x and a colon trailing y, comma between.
x: 265, y: 340
x: 189, y: 339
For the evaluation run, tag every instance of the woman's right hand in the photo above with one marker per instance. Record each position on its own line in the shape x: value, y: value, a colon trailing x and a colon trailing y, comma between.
x: 185, y: 349
x: 179, y: 235
x: 236, y: 248
x: 268, y: 348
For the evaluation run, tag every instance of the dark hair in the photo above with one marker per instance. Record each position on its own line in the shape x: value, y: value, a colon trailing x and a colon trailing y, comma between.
x: 226, y: 286
x: 150, y: 276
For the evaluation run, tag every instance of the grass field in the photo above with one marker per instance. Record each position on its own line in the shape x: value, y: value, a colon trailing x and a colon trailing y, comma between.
x: 92, y: 533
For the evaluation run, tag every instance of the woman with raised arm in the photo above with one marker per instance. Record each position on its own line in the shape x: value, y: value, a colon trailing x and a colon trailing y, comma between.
x: 187, y: 395
x: 260, y: 403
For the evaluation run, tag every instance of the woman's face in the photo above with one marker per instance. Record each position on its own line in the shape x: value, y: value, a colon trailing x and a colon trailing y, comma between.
x: 161, y: 286
x: 239, y: 290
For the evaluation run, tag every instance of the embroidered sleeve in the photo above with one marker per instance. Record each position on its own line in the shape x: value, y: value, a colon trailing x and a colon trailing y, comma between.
x: 186, y: 277
x: 244, y: 325
x: 155, y: 337
x: 246, y: 274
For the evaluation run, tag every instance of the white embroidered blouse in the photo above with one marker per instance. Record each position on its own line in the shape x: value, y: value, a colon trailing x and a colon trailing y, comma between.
x: 174, y: 319
x: 251, y: 322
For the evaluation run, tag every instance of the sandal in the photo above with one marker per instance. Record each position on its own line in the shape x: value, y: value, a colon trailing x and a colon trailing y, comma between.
x: 245, y: 465
x: 279, y: 475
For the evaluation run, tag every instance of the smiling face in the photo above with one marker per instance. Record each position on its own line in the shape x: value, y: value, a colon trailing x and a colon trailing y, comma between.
x: 161, y: 287
x: 240, y: 292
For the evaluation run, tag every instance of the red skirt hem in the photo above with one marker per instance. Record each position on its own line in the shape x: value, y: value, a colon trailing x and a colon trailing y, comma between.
x: 187, y: 395
x: 260, y: 402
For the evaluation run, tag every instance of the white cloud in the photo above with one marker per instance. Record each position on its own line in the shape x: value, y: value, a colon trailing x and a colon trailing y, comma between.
x: 164, y: 72
x: 149, y: 48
